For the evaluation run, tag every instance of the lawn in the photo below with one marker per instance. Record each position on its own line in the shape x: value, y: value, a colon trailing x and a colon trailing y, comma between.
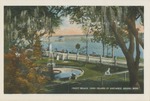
x: 123, y: 58
x: 91, y: 81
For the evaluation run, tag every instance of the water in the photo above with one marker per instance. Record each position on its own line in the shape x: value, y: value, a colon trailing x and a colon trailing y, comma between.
x: 68, y: 43
x: 67, y: 74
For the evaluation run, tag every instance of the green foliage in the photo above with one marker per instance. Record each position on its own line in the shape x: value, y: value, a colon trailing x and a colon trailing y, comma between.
x: 118, y: 22
x: 23, y: 23
x: 37, y: 52
x: 77, y: 46
x: 20, y: 75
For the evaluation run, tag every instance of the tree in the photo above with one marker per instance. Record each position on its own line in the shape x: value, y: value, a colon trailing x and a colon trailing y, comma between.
x: 80, y: 15
x: 100, y: 37
x: 100, y: 29
x: 120, y: 23
x: 129, y: 16
x: 23, y: 23
x: 94, y: 23
x: 37, y: 52
x: 20, y: 75
x: 23, y: 27
x: 77, y: 47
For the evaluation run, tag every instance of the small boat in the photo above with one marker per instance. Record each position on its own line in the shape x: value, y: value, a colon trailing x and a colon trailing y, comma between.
x: 61, y: 38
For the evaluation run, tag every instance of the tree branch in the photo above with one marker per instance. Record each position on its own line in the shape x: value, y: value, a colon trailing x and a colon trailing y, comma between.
x: 131, y: 46
x: 137, y: 59
x: 131, y: 24
x: 141, y: 12
x: 119, y: 39
x: 134, y: 31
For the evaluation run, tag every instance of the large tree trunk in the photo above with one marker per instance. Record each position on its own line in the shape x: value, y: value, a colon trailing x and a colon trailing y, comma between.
x: 132, y: 63
x: 134, y: 66
x: 133, y: 72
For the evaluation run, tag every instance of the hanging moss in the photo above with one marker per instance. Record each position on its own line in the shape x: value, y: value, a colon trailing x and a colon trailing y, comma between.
x: 37, y: 51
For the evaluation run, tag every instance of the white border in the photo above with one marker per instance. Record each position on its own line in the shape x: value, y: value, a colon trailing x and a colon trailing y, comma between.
x: 80, y: 97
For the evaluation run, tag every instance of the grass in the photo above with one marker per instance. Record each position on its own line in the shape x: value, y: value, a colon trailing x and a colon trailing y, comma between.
x: 90, y: 86
x: 69, y: 63
x: 90, y: 69
x: 91, y: 78
x: 123, y: 58
x: 42, y: 61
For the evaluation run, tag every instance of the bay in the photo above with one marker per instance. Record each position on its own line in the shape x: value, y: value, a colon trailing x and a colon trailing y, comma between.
x: 68, y: 43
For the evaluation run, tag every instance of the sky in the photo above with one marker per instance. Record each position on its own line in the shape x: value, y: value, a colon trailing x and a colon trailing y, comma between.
x: 68, y: 29
x: 138, y: 25
x: 74, y: 29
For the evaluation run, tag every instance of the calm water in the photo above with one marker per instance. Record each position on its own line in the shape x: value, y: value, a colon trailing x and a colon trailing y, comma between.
x: 69, y: 42
x: 67, y: 74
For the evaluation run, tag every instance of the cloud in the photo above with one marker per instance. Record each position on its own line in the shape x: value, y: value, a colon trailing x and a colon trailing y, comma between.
x: 68, y: 29
x: 75, y: 29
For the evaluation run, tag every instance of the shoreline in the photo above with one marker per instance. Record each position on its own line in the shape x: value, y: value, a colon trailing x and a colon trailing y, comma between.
x: 53, y: 35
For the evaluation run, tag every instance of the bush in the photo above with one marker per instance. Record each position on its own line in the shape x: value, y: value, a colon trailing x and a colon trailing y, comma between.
x: 20, y: 76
